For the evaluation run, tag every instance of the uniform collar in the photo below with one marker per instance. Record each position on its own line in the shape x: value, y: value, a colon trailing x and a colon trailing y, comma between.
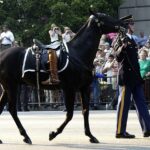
x: 129, y: 35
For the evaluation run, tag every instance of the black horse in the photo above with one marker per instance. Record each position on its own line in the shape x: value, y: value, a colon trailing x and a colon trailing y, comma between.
x: 77, y: 76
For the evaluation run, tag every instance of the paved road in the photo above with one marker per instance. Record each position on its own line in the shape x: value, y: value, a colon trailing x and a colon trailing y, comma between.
x: 39, y: 124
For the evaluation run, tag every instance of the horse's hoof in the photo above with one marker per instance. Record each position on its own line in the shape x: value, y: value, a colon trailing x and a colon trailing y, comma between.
x: 28, y: 141
x: 52, y: 135
x: 94, y: 140
x: 1, y: 142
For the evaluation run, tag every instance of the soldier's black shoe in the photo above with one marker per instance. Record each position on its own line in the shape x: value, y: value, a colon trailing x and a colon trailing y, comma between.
x: 146, y: 134
x: 125, y: 135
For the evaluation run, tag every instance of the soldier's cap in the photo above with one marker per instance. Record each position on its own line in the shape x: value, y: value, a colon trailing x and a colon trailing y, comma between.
x: 128, y: 19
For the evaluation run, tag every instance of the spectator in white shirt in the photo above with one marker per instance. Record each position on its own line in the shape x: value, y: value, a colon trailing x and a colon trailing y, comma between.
x: 55, y: 33
x: 109, y: 68
x: 68, y: 34
x: 107, y: 50
x: 6, y: 38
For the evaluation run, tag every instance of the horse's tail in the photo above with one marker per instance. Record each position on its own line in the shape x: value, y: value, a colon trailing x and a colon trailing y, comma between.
x: 2, y: 92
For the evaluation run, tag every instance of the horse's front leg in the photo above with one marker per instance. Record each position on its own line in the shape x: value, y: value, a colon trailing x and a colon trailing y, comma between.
x: 85, y: 94
x: 69, y: 103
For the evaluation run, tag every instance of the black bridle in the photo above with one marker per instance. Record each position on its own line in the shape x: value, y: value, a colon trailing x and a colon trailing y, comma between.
x: 101, y: 23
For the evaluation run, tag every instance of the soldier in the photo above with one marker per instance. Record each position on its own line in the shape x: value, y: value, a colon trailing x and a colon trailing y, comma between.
x: 130, y: 83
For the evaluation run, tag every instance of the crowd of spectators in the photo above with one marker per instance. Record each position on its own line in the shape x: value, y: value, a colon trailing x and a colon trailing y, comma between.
x: 106, y: 66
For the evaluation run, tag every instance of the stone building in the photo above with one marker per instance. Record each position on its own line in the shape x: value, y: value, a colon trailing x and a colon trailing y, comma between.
x: 140, y: 9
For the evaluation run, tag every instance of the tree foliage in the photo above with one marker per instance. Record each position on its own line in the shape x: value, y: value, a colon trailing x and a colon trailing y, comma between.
x: 30, y: 19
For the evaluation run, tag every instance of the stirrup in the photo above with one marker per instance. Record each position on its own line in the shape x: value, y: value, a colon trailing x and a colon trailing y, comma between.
x: 46, y: 82
x: 50, y: 81
x: 55, y: 81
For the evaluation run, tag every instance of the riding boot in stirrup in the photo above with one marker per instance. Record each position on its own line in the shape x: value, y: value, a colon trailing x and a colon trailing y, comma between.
x: 53, y: 67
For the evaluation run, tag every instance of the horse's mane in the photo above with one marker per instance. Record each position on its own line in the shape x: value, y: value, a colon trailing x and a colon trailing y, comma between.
x: 80, y: 30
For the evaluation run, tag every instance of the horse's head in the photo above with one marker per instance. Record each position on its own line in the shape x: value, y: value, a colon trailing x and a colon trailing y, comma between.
x: 108, y: 24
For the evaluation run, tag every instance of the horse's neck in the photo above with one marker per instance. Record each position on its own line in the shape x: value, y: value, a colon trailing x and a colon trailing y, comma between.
x: 85, y: 46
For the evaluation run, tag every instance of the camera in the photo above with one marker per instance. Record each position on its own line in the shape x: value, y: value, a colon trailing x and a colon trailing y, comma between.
x: 56, y: 28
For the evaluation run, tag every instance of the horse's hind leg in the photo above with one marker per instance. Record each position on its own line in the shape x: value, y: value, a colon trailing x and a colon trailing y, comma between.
x: 69, y: 103
x: 12, y: 93
x: 85, y: 94
x: 3, y: 101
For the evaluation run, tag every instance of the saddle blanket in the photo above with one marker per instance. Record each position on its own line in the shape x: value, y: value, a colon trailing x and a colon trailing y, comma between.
x: 30, y: 64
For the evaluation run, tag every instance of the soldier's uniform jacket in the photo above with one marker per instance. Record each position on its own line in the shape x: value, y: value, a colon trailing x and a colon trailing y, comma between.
x: 129, y: 71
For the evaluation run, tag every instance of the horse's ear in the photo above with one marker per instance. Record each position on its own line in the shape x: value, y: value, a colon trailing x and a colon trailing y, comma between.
x: 92, y: 12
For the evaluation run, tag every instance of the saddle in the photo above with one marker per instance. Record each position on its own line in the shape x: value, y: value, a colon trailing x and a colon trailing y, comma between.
x: 54, y: 45
x: 46, y: 61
